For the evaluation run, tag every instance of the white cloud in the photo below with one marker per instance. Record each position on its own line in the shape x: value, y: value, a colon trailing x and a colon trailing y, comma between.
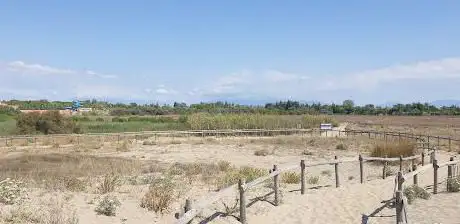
x: 446, y: 68
x: 100, y: 75
x: 22, y: 67
x: 162, y: 91
x: 38, y: 69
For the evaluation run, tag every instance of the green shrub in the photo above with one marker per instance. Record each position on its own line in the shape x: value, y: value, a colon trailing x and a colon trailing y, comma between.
x: 100, y: 119
x: 262, y: 152
x: 341, y: 146
x: 313, y: 180
x: 51, y: 122
x: 453, y: 184
x: 108, y: 206
x: 11, y: 191
x: 413, y: 192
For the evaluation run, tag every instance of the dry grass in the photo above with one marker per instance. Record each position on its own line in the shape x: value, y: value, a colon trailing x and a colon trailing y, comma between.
x: 232, y: 176
x: 49, y: 212
x: 160, y: 195
x: 125, y: 146
x: 110, y: 182
x: 63, y: 171
x: 290, y: 178
x: 393, y: 149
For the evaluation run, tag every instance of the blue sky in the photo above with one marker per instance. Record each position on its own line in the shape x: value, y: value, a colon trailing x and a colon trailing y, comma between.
x: 166, y: 50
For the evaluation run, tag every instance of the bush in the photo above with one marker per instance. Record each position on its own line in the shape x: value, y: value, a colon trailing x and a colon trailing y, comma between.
x: 290, y: 178
x: 159, y: 196
x: 313, y: 180
x: 109, y: 183
x: 326, y: 173
x: 413, y: 192
x: 108, y: 206
x: 453, y: 184
x: 341, y: 146
x: 119, y: 119
x: 261, y: 152
x: 51, y: 122
x: 245, y: 172
x: 149, y: 142
x: 393, y: 149
x: 11, y: 191
x: 73, y: 184
x: 100, y: 119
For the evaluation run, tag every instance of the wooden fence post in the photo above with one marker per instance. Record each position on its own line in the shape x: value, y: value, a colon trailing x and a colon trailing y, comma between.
x: 241, y: 183
x: 435, y: 176
x: 399, y: 207
x: 302, y: 176
x: 384, y: 171
x: 414, y: 168
x: 336, y: 166
x: 188, y: 207
x: 400, y: 163
x: 449, y: 173
x: 423, y: 158
x: 399, y: 199
x: 438, y: 142
x: 276, y: 185
x: 361, y: 173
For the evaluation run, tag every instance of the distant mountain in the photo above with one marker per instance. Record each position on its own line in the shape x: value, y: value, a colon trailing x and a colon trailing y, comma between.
x: 440, y: 103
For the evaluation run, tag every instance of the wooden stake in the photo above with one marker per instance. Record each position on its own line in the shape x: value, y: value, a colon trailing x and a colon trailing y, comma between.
x: 414, y: 168
x: 336, y: 166
x: 400, y: 163
x: 435, y: 176
x: 423, y: 158
x: 276, y: 183
x: 241, y: 183
x: 361, y: 172
x: 302, y: 176
x: 449, y: 173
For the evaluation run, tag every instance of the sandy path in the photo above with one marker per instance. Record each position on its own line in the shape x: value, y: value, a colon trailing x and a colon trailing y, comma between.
x: 348, y: 203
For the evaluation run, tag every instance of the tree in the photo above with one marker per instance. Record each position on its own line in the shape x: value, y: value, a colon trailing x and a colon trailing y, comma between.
x: 348, y: 106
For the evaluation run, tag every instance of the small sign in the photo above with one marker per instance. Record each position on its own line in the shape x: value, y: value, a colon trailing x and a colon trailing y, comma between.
x: 325, y: 126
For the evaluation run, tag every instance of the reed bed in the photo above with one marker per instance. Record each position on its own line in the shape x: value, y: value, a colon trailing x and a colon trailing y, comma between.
x: 255, y: 121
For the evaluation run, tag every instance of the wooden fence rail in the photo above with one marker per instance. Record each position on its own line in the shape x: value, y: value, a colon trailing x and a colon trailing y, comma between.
x: 76, y: 139
x: 243, y: 187
x: 401, y: 204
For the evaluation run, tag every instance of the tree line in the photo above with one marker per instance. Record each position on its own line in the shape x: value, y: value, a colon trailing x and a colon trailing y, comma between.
x: 288, y: 107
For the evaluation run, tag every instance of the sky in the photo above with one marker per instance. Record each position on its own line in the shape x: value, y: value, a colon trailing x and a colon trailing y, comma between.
x: 370, y: 51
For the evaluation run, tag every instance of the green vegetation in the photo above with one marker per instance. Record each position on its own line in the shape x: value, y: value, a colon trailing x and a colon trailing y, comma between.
x: 278, y: 108
x: 413, y: 192
x: 51, y: 122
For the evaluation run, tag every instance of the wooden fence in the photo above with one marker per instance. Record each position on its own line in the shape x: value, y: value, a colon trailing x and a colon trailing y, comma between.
x: 77, y: 139
x: 190, y: 211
